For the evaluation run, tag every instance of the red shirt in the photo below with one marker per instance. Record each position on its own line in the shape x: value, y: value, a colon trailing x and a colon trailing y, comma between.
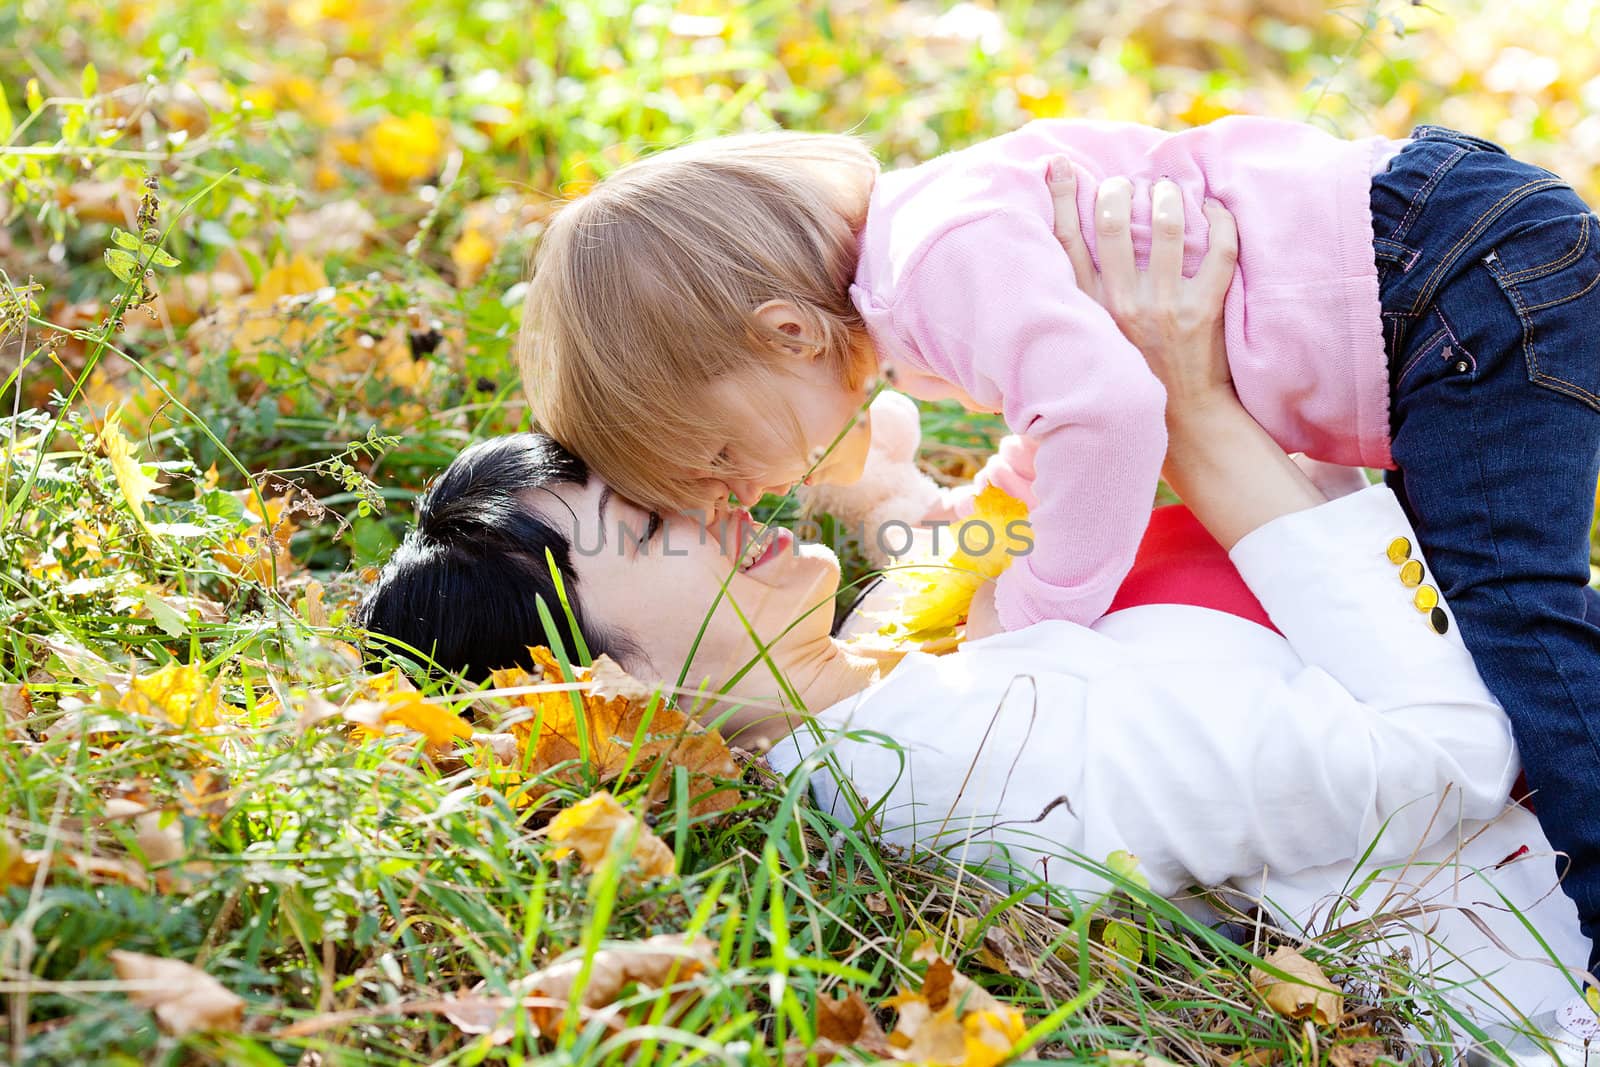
x: 1178, y: 562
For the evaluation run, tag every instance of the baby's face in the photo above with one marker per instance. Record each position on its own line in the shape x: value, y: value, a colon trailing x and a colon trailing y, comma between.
x: 758, y: 453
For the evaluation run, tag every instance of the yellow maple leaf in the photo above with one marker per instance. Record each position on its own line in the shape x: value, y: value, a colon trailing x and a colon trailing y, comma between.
x: 939, y: 594
x: 438, y: 724
x: 404, y: 150
x: 614, y: 735
x: 178, y: 693
x: 135, y: 485
x: 598, y: 826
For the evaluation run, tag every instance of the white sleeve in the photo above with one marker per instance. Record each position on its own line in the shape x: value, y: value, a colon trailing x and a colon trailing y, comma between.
x: 1201, y: 744
x: 1328, y: 583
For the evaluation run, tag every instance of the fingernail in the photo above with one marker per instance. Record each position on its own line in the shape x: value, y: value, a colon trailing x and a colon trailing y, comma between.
x: 1059, y: 171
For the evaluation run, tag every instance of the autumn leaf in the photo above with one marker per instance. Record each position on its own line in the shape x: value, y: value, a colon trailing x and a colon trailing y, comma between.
x: 16, y: 703
x: 401, y: 151
x: 655, y: 963
x: 185, y: 999
x: 261, y: 553
x: 134, y: 484
x: 1123, y: 939
x: 952, y: 1020
x: 1357, y: 1046
x: 438, y: 724
x: 845, y: 1022
x: 618, y: 733
x: 939, y: 592
x: 598, y: 826
x: 16, y: 868
x: 178, y: 693
x: 1307, y: 993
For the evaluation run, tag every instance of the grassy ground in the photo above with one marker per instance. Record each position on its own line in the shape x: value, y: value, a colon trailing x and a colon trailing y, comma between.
x: 343, y: 193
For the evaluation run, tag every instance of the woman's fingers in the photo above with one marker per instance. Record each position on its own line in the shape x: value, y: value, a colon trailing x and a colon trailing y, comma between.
x: 1166, y: 234
x: 1222, y: 254
x: 1063, y: 185
x: 1113, y: 229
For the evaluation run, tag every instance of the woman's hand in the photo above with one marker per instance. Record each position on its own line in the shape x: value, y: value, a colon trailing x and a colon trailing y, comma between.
x: 1230, y: 473
x: 1176, y: 322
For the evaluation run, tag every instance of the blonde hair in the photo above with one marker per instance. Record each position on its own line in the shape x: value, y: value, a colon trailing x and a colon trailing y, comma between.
x: 644, y: 293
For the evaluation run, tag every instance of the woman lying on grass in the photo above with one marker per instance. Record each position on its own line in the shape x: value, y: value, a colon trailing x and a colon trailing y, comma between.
x: 1294, y: 766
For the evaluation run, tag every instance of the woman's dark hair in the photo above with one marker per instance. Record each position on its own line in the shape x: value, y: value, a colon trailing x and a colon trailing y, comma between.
x: 463, y: 587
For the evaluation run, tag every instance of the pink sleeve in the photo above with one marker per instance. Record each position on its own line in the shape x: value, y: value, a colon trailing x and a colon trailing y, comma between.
x: 991, y: 306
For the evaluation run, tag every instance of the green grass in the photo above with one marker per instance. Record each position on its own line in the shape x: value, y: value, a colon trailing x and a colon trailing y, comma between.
x: 342, y: 882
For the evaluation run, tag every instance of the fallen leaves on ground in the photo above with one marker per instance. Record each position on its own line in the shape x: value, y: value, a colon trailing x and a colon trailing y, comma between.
x: 177, y: 692
x: 622, y: 734
x: 185, y: 999
x: 439, y: 726
x: 666, y: 961
x: 1307, y: 994
x: 843, y: 1023
x: 598, y: 827
x: 953, y: 1021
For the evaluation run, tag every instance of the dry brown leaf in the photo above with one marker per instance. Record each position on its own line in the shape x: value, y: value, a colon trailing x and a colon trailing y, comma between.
x: 16, y: 868
x: 952, y: 1020
x: 18, y: 705
x: 184, y: 998
x: 655, y: 963
x: 612, y: 723
x: 1308, y: 996
x: 848, y: 1022
x: 598, y: 826
x: 481, y: 1015
x: 1356, y: 1046
x: 1255, y: 1057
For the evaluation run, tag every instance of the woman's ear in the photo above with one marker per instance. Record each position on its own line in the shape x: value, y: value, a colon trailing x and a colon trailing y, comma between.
x: 780, y: 317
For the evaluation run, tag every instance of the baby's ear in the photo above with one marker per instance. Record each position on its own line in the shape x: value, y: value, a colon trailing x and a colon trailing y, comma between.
x: 896, y: 426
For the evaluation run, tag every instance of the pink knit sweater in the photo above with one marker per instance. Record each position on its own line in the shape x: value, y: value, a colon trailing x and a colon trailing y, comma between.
x: 963, y: 284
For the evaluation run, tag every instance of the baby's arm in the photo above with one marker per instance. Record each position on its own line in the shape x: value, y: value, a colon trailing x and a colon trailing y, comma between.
x: 1021, y: 340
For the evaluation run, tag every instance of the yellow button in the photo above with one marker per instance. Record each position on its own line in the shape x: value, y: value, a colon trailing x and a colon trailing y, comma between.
x: 1427, y: 599
x: 1439, y: 620
x: 1399, y: 550
x: 1411, y: 573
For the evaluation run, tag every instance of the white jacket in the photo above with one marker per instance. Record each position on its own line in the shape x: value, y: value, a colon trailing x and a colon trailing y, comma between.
x: 1208, y: 746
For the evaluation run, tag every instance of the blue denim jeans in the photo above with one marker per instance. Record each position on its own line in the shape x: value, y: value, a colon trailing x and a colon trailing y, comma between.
x: 1489, y: 276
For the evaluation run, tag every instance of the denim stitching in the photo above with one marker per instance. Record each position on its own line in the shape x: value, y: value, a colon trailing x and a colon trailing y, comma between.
x: 1534, y: 273
x: 1456, y: 341
x: 1422, y: 350
x: 1493, y: 212
x: 1564, y: 299
x: 1530, y: 352
x: 1424, y: 189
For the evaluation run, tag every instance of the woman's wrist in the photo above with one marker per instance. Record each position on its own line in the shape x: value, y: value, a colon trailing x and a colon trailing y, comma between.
x: 1232, y: 475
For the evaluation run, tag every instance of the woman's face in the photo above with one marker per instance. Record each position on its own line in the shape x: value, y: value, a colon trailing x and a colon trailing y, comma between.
x: 655, y: 579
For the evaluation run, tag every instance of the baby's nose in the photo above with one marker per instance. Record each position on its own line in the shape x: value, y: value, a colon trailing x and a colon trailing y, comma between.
x: 746, y: 493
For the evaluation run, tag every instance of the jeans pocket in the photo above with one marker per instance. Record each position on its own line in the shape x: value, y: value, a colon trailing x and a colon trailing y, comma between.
x: 1550, y: 271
